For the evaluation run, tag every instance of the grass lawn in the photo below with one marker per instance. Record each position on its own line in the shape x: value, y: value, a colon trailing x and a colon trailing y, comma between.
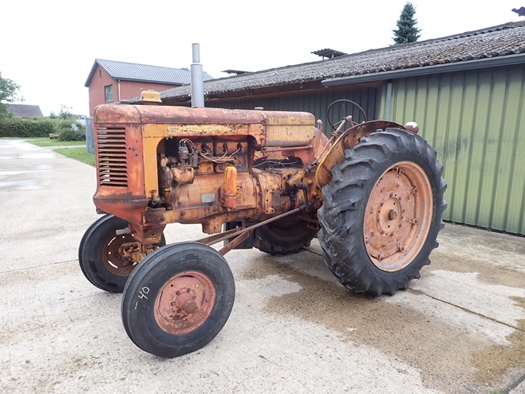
x: 45, y: 141
x: 79, y: 154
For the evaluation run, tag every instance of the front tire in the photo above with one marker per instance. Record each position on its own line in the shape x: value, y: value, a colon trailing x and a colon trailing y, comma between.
x: 178, y: 299
x: 98, y: 254
x: 382, y: 212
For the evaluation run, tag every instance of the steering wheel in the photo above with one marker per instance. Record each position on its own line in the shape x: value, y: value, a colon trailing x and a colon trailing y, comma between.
x: 343, y: 103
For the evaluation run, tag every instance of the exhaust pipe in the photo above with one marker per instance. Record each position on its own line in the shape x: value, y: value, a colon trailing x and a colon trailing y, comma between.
x: 197, y: 79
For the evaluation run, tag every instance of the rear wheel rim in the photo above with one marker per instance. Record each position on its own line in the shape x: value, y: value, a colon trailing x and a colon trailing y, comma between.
x: 398, y: 216
x: 184, y: 302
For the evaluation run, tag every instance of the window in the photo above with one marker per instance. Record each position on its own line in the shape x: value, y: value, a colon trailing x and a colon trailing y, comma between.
x: 108, y: 92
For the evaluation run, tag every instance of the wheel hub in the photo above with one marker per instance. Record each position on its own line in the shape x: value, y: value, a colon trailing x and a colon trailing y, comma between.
x: 113, y: 258
x: 398, y: 216
x: 184, y: 303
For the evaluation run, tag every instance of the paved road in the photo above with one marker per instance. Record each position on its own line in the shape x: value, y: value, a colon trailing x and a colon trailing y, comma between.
x: 293, y: 329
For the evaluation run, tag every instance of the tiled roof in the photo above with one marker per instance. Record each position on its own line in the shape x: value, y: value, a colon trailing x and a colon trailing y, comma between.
x: 498, y: 41
x: 25, y: 111
x: 142, y: 72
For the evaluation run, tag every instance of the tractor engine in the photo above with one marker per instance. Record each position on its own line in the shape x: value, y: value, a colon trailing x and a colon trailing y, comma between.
x: 160, y: 165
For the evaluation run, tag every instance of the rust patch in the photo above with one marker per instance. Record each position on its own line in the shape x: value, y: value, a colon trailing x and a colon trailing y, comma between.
x: 392, y: 232
x: 347, y: 140
x: 184, y: 303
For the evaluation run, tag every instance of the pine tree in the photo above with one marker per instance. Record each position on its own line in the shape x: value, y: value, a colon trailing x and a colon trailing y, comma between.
x: 406, y: 26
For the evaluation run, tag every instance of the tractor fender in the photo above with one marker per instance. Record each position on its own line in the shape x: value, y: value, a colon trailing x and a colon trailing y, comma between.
x: 347, y: 140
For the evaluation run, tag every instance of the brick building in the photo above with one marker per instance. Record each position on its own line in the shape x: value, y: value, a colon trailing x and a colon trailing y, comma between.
x: 112, y: 81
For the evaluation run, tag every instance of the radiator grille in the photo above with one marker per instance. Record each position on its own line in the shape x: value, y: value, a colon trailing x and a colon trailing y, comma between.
x: 112, y: 158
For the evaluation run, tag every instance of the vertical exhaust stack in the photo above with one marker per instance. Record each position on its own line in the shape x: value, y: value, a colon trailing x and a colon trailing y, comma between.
x: 197, y: 79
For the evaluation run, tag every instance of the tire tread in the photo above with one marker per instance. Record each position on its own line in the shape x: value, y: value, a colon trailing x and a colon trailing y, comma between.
x: 346, y: 196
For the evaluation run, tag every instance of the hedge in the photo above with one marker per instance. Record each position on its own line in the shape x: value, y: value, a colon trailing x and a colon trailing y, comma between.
x: 41, y: 128
x: 26, y: 128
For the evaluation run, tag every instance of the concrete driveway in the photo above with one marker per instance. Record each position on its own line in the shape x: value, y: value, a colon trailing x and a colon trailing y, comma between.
x: 293, y: 329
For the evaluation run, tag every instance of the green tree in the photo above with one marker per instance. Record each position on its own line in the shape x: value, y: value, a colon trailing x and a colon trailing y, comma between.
x: 65, y: 113
x: 8, y: 93
x: 407, y: 30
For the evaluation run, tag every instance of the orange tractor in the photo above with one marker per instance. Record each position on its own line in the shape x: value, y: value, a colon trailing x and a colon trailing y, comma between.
x: 372, y: 194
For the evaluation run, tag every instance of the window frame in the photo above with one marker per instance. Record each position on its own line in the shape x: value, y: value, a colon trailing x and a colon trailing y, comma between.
x: 108, y: 93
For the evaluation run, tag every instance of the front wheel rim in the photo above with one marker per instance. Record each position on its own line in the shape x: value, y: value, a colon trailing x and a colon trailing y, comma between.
x: 112, y: 259
x: 398, y: 216
x: 184, y: 303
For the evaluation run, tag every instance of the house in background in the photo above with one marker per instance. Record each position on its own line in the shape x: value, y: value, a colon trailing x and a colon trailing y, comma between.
x: 25, y: 111
x: 112, y: 81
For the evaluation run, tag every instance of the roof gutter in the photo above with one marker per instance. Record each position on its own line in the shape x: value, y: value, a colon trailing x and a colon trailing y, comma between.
x: 437, y: 69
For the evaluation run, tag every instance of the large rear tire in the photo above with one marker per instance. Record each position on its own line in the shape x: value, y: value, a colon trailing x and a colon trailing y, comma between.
x: 287, y: 235
x: 178, y: 299
x: 382, y: 212
x: 98, y: 254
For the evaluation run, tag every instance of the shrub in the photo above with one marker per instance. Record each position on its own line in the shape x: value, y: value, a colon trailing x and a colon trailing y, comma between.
x: 62, y: 125
x: 72, y: 135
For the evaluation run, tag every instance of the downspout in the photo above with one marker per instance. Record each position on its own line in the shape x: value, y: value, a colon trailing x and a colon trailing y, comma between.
x: 388, y: 101
x: 118, y: 89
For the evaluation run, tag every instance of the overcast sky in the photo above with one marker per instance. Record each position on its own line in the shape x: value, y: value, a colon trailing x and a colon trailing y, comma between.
x: 48, y: 47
